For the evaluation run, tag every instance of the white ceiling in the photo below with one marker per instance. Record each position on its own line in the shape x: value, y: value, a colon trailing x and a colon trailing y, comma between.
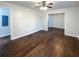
x: 56, y: 5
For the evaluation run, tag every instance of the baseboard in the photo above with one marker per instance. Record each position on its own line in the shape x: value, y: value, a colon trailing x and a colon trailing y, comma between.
x: 46, y: 29
x: 58, y: 27
x: 4, y: 35
x: 78, y: 37
x: 13, y: 38
x: 72, y: 35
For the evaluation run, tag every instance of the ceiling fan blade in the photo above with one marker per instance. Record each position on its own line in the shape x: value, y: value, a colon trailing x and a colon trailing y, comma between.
x: 49, y: 6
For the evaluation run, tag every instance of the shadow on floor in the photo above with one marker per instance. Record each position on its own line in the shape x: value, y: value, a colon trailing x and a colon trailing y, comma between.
x: 4, y: 40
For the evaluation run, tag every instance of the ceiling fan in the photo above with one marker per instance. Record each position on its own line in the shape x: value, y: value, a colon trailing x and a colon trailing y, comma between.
x: 44, y: 5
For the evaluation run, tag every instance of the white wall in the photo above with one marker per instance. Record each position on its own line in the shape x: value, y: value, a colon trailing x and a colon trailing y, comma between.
x: 4, y: 31
x: 57, y: 20
x: 24, y: 21
x: 71, y: 20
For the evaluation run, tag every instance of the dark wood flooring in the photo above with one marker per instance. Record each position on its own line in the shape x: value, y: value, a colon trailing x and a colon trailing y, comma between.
x: 5, y: 39
x: 42, y: 44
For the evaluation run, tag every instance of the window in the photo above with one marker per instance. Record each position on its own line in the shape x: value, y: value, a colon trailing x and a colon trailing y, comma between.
x: 4, y: 20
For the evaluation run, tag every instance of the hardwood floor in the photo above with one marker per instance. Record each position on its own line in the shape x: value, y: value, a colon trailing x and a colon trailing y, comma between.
x: 5, y: 39
x: 42, y: 44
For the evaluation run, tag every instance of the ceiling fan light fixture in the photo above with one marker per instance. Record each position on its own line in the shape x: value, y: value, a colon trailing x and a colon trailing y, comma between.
x: 44, y: 5
x: 43, y: 8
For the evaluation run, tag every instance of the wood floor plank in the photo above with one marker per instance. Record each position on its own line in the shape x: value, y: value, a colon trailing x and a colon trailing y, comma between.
x: 42, y: 44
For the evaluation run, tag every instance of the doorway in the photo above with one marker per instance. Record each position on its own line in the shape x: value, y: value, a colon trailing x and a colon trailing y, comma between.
x: 5, y: 30
x: 56, y: 20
